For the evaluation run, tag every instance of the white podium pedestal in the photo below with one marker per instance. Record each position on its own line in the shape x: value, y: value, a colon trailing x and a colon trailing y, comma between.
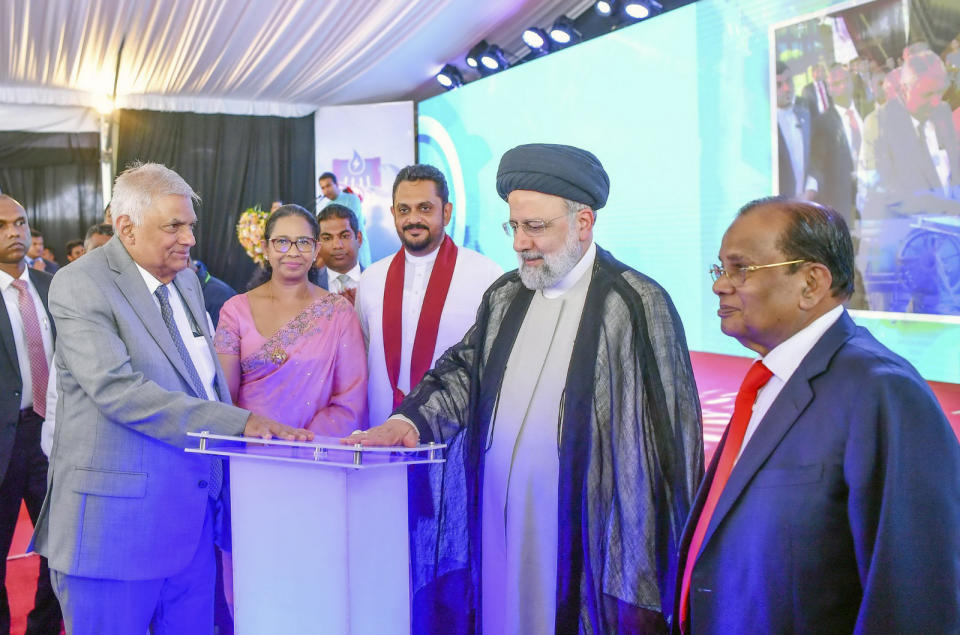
x: 320, y: 537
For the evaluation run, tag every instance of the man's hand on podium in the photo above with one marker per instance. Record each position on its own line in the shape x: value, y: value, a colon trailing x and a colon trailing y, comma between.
x: 258, y: 426
x: 392, y: 432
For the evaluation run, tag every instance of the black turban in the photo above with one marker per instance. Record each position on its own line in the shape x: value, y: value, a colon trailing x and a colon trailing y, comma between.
x: 550, y: 168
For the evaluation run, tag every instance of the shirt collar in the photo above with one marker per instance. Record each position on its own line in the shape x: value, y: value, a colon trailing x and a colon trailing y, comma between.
x: 573, y: 276
x: 353, y: 273
x: 152, y: 282
x: 6, y: 279
x: 841, y: 109
x: 786, y: 357
x: 918, y: 125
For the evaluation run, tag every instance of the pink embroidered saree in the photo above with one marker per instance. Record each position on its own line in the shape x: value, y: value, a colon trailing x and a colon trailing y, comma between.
x: 311, y: 373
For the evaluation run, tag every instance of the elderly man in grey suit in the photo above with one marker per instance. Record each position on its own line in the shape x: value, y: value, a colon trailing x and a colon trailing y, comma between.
x: 128, y: 522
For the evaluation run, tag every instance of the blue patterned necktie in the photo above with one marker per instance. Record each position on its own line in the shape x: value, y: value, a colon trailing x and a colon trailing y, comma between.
x: 166, y: 311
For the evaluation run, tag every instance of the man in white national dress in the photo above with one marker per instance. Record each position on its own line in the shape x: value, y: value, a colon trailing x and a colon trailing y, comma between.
x: 419, y: 302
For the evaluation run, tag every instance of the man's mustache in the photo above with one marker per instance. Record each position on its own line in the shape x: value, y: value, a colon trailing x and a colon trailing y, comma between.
x: 530, y: 255
x: 416, y: 226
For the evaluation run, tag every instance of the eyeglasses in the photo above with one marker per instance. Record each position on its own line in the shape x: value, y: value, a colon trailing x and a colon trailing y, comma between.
x: 304, y: 244
x: 738, y: 275
x: 531, y: 228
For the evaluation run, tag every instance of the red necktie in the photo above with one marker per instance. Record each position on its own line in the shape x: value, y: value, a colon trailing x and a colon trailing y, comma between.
x: 39, y: 372
x: 757, y: 376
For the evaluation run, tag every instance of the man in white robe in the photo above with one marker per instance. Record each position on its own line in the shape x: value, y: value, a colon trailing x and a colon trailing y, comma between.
x: 573, y: 427
x: 421, y: 210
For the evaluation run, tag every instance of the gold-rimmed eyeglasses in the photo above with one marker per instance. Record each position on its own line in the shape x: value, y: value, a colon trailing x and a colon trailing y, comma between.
x: 531, y: 228
x: 738, y: 274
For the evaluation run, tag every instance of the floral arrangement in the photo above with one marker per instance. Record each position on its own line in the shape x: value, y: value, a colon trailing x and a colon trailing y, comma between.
x: 250, y: 232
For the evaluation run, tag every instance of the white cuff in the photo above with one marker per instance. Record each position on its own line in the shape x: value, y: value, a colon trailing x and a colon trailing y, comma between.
x: 407, y: 420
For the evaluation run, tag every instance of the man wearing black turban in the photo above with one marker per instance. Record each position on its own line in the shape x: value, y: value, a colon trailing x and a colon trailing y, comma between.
x: 574, y: 430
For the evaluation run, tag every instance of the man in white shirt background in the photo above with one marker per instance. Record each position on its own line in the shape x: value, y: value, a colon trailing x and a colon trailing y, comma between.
x: 331, y: 194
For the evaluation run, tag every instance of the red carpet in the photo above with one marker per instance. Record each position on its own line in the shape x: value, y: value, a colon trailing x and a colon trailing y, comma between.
x: 718, y: 378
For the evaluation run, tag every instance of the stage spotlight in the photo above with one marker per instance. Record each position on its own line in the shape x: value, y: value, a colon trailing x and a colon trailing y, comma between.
x: 449, y: 77
x: 563, y: 32
x: 537, y: 40
x: 640, y: 9
x: 494, y: 59
x: 473, y: 56
x: 604, y: 7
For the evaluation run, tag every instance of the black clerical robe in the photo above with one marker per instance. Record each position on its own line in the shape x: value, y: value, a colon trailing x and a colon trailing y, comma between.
x: 631, y: 457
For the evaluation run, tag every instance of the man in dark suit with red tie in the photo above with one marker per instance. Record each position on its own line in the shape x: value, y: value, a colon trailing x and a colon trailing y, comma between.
x: 835, y: 139
x: 816, y: 94
x: 26, y: 349
x: 833, y: 501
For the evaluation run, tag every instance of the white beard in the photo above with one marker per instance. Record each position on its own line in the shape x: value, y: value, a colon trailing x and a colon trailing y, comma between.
x: 555, y: 265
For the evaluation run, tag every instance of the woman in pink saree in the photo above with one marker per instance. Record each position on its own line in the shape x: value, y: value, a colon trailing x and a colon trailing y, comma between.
x: 290, y: 350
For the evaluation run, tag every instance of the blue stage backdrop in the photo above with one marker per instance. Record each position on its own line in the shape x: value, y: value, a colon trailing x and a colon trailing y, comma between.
x: 678, y: 109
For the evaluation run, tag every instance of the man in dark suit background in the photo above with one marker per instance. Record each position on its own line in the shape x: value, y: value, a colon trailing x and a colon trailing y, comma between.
x: 832, y: 503
x: 26, y: 349
x: 35, y: 257
x: 835, y: 140
x: 340, y: 242
x: 816, y: 94
x: 793, y: 135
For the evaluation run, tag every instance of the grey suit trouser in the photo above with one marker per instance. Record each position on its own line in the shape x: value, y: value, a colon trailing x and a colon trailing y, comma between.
x: 179, y: 604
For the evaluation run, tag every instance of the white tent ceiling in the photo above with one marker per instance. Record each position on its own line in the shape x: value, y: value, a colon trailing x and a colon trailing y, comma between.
x: 248, y: 56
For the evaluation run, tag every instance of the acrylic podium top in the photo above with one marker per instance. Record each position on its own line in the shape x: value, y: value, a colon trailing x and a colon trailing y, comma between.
x: 322, y: 451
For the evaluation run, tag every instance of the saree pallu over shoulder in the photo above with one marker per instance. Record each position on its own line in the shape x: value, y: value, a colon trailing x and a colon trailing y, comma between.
x: 309, y: 374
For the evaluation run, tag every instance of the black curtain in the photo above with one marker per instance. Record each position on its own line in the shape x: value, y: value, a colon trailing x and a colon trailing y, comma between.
x: 233, y: 162
x: 56, y: 177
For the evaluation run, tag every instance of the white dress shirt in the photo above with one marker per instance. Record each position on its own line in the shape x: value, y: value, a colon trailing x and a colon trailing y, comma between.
x: 333, y: 279
x: 11, y: 298
x: 845, y: 120
x: 935, y: 149
x: 416, y: 275
x: 793, y: 137
x: 197, y: 347
x: 783, y: 361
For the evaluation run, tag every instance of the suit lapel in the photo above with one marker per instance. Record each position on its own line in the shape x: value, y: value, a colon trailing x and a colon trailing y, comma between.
x: 134, y: 289
x: 186, y: 285
x: 782, y: 415
x: 9, y: 345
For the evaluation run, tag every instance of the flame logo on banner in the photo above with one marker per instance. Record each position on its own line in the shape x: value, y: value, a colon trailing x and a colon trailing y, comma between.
x: 357, y: 172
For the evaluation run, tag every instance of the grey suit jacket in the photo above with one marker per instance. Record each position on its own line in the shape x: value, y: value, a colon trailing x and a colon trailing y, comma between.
x: 124, y: 501
x: 906, y: 179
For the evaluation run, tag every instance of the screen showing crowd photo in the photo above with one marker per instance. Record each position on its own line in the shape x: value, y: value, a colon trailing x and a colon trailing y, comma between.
x: 680, y: 110
x: 867, y: 107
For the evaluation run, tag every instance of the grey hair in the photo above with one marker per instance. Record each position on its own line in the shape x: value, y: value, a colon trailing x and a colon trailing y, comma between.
x: 917, y: 65
x: 136, y: 189
x: 573, y: 207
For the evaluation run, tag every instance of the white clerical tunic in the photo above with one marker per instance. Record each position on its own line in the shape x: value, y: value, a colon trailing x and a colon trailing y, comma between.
x: 522, y: 465
x: 472, y: 274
